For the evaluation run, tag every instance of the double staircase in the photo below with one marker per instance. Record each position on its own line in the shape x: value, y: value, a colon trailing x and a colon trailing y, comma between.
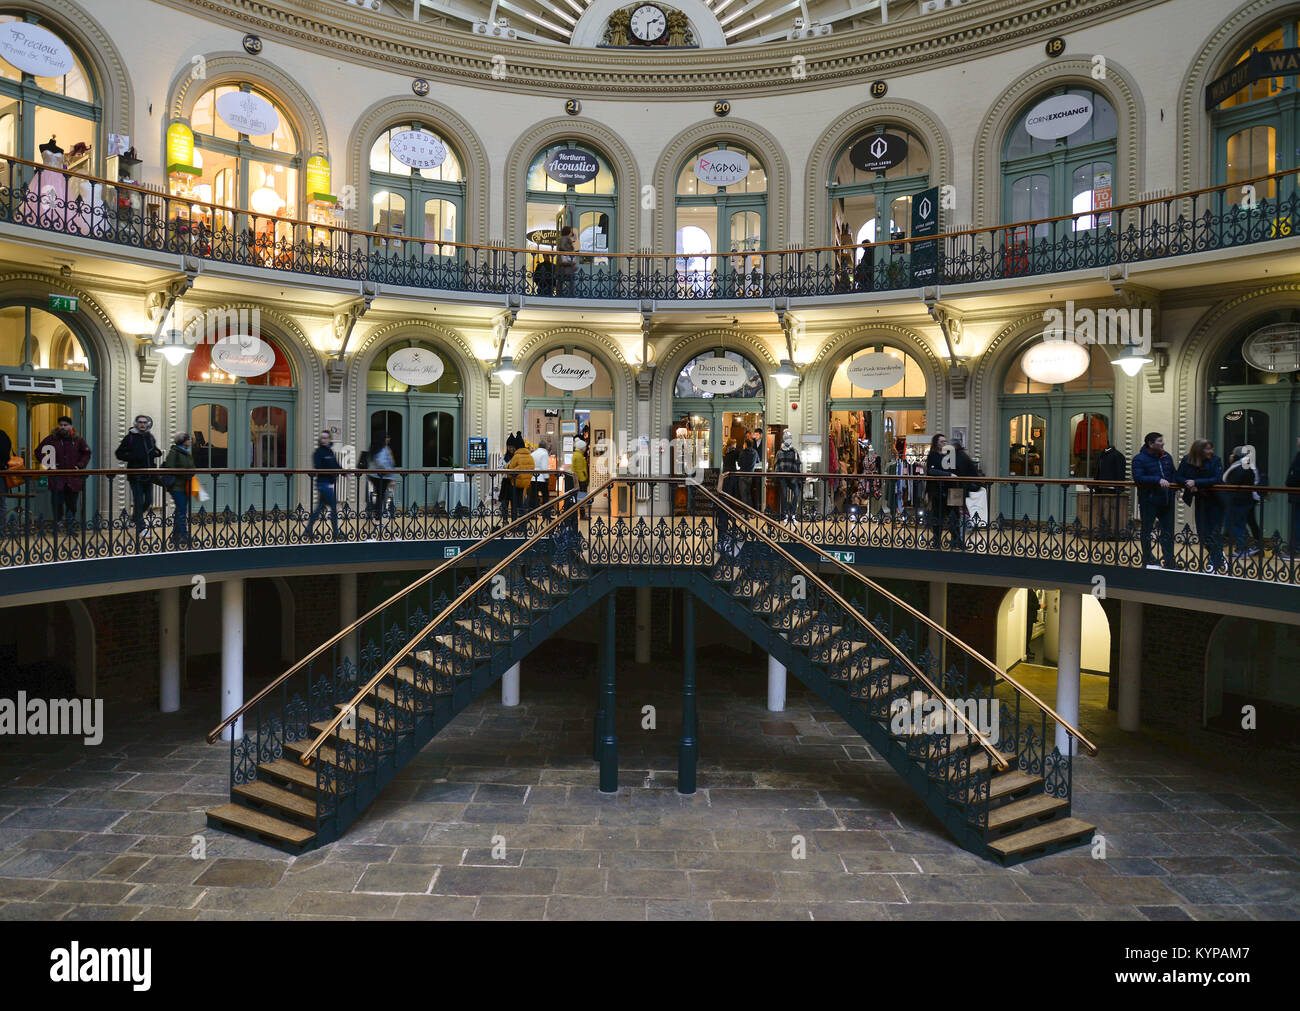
x: 320, y: 744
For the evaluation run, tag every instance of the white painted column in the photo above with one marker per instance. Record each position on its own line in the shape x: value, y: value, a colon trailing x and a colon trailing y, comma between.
x: 232, y: 652
x: 775, y: 686
x: 643, y: 624
x: 938, y: 614
x: 348, y: 613
x: 169, y: 649
x: 510, y: 687
x: 1130, y: 664
x: 1069, y: 650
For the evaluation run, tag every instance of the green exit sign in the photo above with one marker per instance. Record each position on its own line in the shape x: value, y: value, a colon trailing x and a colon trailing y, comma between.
x: 842, y: 556
x: 63, y: 303
x: 450, y: 552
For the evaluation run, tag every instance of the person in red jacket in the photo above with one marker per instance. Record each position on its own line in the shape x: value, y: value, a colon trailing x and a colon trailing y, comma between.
x: 64, y: 450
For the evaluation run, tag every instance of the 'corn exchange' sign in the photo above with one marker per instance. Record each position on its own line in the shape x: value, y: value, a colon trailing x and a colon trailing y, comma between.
x: 1256, y: 67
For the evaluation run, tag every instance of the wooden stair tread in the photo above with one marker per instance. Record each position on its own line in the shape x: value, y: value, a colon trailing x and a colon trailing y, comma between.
x: 277, y: 796
x: 294, y: 772
x: 325, y: 753
x: 1041, y: 835
x: 256, y: 821
x: 345, y: 735
x: 1027, y: 807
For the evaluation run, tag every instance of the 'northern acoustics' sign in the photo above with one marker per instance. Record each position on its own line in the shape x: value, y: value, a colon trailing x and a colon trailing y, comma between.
x: 572, y: 167
x: 1256, y: 67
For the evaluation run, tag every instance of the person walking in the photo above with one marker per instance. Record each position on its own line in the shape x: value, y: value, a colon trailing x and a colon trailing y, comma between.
x: 1240, y: 473
x: 539, y: 491
x: 581, y: 473
x: 64, y: 450
x: 522, y: 463
x: 568, y: 265
x: 6, y: 452
x: 787, y: 462
x: 384, y: 483
x: 745, y: 463
x: 1199, y: 472
x: 1155, y: 476
x: 325, y: 463
x: 138, y: 450
x: 179, y: 457
x: 945, y: 509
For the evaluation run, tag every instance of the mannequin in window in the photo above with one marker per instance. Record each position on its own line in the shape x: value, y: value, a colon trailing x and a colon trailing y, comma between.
x: 47, y: 193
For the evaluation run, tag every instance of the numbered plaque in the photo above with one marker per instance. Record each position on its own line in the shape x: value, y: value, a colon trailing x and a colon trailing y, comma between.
x: 1055, y: 46
x: 252, y: 45
x: 572, y: 106
x: 879, y: 89
x: 721, y: 107
x: 420, y: 86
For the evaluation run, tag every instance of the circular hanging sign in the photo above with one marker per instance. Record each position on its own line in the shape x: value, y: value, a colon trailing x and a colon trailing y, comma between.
x: 243, y: 355
x: 718, y: 375
x: 571, y: 166
x: 1056, y: 361
x: 248, y: 113
x: 721, y: 168
x: 34, y: 49
x: 875, y: 371
x: 1058, y: 116
x: 417, y: 149
x: 1274, y: 348
x: 879, y: 152
x: 568, y: 372
x: 414, y: 366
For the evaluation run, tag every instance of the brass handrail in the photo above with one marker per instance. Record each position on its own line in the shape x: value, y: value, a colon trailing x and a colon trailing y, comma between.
x: 934, y: 626
x: 349, y: 629
x: 307, y: 755
x: 993, y: 753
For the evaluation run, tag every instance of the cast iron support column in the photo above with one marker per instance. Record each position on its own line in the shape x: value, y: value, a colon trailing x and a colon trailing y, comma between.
x: 688, y: 748
x: 608, y: 740
x: 598, y: 721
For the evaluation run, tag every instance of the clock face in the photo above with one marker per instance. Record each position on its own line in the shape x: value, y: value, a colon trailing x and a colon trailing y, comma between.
x: 649, y: 23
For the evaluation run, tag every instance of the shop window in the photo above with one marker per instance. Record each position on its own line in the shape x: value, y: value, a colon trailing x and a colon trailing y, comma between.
x: 424, y: 200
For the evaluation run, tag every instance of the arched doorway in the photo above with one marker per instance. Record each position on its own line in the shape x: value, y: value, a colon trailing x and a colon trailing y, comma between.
x: 571, y: 184
x: 414, y: 395
x: 1028, y: 626
x: 243, y: 422
x: 1251, y: 663
x: 721, y: 207
x: 51, y: 372
x: 714, y: 418
x: 556, y: 413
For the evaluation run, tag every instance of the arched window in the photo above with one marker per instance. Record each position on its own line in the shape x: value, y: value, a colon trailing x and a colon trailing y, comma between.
x: 722, y: 419
x: 1058, y: 159
x: 1256, y: 128
x: 34, y: 109
x: 201, y: 369
x: 872, y: 184
x: 721, y: 208
x: 1254, y: 400
x: 559, y: 414
x: 232, y: 168
x: 866, y: 418
x: 417, y: 188
x: 571, y: 183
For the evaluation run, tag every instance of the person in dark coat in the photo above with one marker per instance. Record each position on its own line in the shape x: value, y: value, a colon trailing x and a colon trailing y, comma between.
x: 942, y: 463
x: 864, y: 273
x: 1156, y: 478
x: 1240, y: 473
x: 64, y: 450
x: 6, y: 451
x: 138, y: 450
x: 787, y: 462
x: 1199, y: 472
x: 746, y: 461
x: 179, y: 457
x: 325, y: 463
x: 1293, y: 481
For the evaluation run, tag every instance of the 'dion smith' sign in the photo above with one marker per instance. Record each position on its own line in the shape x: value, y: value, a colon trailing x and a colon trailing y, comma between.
x: 718, y: 375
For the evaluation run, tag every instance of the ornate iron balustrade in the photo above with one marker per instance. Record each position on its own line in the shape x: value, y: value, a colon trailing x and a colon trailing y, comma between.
x: 1024, y: 518
x: 1221, y: 217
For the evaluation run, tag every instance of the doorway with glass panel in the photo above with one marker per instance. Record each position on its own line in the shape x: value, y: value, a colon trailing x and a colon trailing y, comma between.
x: 242, y: 428
x: 28, y: 419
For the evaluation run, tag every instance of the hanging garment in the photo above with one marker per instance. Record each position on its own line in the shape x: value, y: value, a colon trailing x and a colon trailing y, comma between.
x: 1090, y: 435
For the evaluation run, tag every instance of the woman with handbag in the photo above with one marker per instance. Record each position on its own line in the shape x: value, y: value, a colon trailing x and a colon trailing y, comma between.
x: 178, y: 486
x: 946, y: 498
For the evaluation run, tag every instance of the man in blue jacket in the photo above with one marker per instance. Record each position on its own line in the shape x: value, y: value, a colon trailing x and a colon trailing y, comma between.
x: 1154, y: 474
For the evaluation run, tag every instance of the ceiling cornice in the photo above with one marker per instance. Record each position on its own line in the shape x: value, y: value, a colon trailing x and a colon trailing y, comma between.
x: 854, y: 56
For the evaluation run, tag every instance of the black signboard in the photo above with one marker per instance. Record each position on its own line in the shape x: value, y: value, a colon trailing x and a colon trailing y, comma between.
x: 477, y: 451
x: 1256, y: 67
x: 571, y: 166
x: 925, y: 221
x: 878, y: 152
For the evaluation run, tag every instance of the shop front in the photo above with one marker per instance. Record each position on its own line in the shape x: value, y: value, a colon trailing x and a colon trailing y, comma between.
x: 568, y: 391
x: 718, y: 409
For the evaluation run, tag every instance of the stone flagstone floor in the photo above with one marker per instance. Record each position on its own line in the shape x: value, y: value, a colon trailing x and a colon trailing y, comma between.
x: 106, y: 832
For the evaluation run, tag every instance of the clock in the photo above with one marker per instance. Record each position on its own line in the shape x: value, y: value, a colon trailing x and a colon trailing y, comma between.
x: 649, y: 23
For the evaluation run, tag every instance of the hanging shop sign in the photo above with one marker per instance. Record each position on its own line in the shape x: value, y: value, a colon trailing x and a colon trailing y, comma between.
x: 925, y: 222
x: 1255, y: 67
x: 34, y: 49
x: 544, y: 237
x: 571, y: 166
x: 568, y: 372
x: 180, y: 150
x: 414, y: 366
x: 1058, y: 116
x: 721, y: 168
x: 417, y: 149
x: 1056, y: 361
x: 878, y: 152
x: 318, y: 180
x: 718, y: 375
x: 248, y: 113
x: 1274, y: 348
x: 243, y: 355
x: 875, y: 371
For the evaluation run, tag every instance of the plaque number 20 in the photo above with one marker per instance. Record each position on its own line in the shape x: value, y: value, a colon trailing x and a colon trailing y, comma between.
x: 721, y: 108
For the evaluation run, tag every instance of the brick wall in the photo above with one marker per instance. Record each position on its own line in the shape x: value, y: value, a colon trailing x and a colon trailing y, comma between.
x: 973, y: 614
x: 126, y: 645
x: 1173, y: 666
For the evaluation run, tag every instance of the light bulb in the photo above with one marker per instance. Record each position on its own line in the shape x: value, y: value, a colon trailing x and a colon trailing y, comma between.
x: 174, y: 353
x: 1131, y: 366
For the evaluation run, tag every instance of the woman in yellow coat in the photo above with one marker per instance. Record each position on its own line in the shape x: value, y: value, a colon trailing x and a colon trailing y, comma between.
x: 522, y: 461
x: 580, y: 473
